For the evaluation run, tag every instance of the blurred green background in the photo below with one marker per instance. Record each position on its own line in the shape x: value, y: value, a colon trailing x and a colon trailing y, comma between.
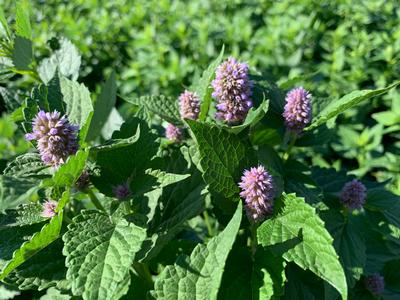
x: 157, y: 46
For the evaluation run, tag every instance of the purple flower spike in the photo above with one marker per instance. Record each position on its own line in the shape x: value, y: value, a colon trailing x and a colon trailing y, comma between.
x: 49, y: 209
x: 375, y: 283
x: 353, y: 194
x: 298, y: 110
x: 122, y: 191
x: 189, y: 105
x: 232, y: 90
x: 173, y: 133
x: 57, y: 138
x: 258, y: 191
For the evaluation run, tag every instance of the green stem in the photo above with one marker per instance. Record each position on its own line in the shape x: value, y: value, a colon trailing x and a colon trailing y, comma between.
x: 289, y: 149
x: 95, y: 201
x: 254, y: 244
x: 207, y: 221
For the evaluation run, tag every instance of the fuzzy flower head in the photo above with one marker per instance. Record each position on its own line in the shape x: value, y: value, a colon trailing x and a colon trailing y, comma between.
x: 353, y: 194
x: 298, y: 110
x: 232, y: 90
x: 173, y: 133
x: 56, y: 137
x: 189, y: 105
x: 49, y: 209
x: 375, y: 283
x: 122, y: 191
x: 258, y: 191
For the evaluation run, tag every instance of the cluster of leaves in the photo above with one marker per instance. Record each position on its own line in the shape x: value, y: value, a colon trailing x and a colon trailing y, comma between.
x: 181, y: 232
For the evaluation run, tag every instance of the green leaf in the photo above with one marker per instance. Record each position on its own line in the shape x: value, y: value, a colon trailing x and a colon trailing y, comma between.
x: 237, y: 278
x: 199, y: 276
x: 37, y: 242
x: 203, y: 88
x: 164, y: 107
x: 102, y: 107
x: 16, y: 190
x: 6, y: 294
x: 315, y: 251
x: 4, y: 29
x: 348, y: 242
x: 99, y: 253
x: 268, y: 277
x: 22, y: 53
x: 127, y: 154
x: 40, y: 272
x: 22, y: 22
x: 26, y: 165
x: 68, y: 173
x: 175, y: 205
x: 55, y: 294
x: 335, y: 108
x: 25, y: 214
x: 253, y: 117
x: 77, y: 98
x: 66, y: 60
x: 223, y: 157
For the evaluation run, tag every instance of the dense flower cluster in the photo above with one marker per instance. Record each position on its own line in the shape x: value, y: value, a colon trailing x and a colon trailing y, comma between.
x: 375, y: 283
x: 298, y: 110
x: 189, y: 105
x: 49, y: 209
x: 56, y: 137
x: 232, y: 90
x: 173, y: 133
x: 122, y: 191
x: 353, y: 194
x: 258, y: 191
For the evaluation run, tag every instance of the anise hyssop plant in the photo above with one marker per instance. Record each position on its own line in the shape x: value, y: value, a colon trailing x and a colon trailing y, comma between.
x: 211, y: 194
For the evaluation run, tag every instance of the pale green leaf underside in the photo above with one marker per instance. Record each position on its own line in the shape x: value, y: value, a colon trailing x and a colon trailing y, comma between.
x: 315, y: 251
x: 66, y: 60
x: 199, y: 276
x: 77, y: 98
x: 336, y: 107
x: 99, y: 254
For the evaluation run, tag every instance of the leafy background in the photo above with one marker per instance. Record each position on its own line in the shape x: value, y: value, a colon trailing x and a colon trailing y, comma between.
x: 127, y: 49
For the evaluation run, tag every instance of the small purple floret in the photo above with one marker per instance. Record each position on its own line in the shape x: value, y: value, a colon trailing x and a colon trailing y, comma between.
x: 232, y: 90
x: 353, y: 194
x: 375, y: 283
x: 49, y: 209
x: 258, y: 191
x: 122, y: 191
x: 83, y: 181
x: 173, y: 133
x: 56, y: 137
x: 298, y: 110
x: 189, y: 105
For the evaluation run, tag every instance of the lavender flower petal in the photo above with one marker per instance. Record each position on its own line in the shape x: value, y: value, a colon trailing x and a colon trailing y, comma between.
x: 258, y: 191
x: 232, y: 90
x: 298, y: 110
